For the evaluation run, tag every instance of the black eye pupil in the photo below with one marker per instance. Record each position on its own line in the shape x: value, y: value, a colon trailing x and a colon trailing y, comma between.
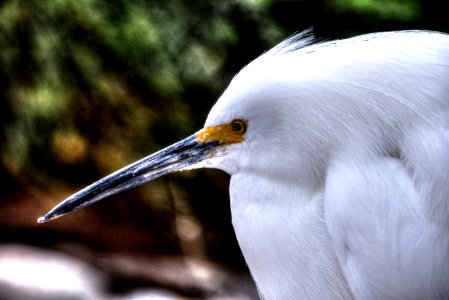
x: 239, y: 126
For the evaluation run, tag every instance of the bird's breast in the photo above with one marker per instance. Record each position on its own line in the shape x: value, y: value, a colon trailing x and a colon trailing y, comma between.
x: 283, y: 237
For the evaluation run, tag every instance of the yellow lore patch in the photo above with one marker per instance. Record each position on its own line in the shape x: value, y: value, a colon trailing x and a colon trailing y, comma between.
x: 224, y: 133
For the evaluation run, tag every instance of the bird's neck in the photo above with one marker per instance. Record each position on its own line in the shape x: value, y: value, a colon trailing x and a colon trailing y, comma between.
x: 283, y: 236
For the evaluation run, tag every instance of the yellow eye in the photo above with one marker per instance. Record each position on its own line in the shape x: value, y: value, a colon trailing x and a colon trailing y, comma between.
x: 239, y: 126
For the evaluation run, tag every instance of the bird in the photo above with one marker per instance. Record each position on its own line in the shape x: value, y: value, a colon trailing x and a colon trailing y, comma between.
x: 338, y: 152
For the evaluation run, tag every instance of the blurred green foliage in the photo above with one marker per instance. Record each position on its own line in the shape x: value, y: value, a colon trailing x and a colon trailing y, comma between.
x: 383, y: 9
x: 83, y: 73
x: 88, y: 86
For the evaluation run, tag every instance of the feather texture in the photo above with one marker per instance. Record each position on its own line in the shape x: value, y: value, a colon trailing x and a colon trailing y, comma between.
x: 341, y: 187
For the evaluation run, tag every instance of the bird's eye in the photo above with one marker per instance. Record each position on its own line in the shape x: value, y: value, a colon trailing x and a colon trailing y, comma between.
x: 238, y: 126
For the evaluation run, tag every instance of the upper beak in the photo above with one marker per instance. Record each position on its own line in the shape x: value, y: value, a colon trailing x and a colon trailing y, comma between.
x: 173, y: 158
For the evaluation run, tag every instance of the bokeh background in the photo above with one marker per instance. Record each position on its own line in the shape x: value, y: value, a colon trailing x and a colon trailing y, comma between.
x: 89, y: 86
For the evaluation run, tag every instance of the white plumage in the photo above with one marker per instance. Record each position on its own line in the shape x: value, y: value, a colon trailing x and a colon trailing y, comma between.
x: 342, y: 186
x: 339, y: 157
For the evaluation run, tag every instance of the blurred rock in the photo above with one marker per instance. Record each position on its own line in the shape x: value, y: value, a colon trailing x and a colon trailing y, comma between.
x: 33, y: 273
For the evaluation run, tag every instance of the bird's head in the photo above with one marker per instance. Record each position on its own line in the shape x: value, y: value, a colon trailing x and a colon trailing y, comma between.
x: 250, y: 128
x: 242, y: 132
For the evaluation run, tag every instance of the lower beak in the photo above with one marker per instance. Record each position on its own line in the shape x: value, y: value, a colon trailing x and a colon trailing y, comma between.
x: 178, y: 156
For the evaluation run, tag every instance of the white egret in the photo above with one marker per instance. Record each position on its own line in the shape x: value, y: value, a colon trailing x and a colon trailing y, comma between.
x: 339, y: 160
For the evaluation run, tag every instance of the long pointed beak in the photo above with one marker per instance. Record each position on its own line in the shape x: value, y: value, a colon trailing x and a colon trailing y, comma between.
x: 173, y: 158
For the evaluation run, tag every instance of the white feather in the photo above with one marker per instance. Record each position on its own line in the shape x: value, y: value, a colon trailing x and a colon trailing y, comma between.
x: 341, y: 187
